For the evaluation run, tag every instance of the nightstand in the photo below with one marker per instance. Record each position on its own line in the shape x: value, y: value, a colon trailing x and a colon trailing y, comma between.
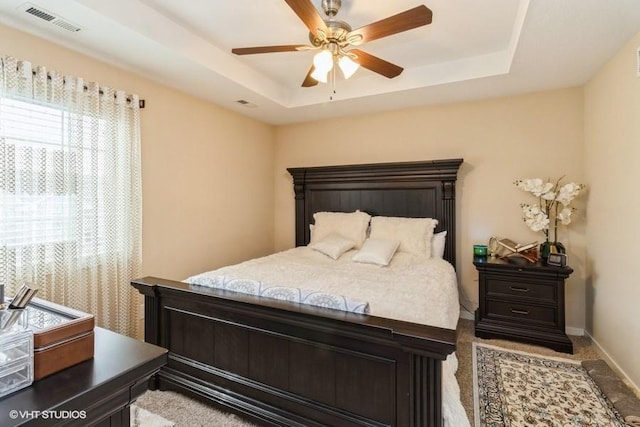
x: 522, y: 302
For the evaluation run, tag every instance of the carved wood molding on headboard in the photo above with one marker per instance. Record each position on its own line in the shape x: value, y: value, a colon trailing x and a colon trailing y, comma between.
x: 341, y: 188
x: 440, y: 170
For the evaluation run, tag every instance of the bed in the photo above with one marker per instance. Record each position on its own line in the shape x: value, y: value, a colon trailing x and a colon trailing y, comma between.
x: 288, y: 364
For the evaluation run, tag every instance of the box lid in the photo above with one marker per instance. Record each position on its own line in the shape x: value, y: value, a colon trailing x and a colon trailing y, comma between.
x: 52, y: 323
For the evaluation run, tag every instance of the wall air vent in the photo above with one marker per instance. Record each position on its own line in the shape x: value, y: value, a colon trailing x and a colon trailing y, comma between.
x: 51, y: 18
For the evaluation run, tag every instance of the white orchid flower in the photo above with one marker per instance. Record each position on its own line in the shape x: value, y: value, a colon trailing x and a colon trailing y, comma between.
x: 538, y: 223
x: 535, y: 218
x: 565, y: 216
x: 539, y: 191
x: 571, y: 188
x: 531, y: 184
x: 568, y: 192
x: 540, y: 217
x: 549, y: 195
x: 535, y: 210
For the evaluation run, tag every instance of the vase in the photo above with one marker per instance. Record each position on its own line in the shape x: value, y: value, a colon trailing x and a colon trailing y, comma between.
x: 548, y: 247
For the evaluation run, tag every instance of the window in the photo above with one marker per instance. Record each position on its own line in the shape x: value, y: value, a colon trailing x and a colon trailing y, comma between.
x: 44, y: 195
x: 70, y: 191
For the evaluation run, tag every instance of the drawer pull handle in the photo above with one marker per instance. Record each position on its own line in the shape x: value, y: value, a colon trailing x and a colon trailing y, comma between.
x: 517, y: 289
x: 523, y: 312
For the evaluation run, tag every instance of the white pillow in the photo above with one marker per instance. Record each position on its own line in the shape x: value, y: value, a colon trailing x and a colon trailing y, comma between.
x: 333, y: 245
x: 414, y: 234
x: 352, y: 226
x: 437, y: 244
x: 377, y: 251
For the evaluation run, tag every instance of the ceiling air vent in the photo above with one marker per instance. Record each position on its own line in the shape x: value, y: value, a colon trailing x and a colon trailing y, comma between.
x: 66, y: 25
x: 246, y: 103
x: 40, y: 14
x: 51, y: 18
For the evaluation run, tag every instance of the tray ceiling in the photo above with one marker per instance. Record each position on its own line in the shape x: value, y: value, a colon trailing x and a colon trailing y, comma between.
x: 471, y: 50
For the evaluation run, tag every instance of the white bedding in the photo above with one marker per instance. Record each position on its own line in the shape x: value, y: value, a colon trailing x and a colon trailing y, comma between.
x: 411, y: 289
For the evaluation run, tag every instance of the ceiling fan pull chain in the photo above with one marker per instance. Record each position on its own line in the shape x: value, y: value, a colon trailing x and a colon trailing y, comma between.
x: 333, y: 83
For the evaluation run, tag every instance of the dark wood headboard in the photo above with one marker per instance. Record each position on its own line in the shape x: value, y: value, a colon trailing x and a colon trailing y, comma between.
x: 409, y: 189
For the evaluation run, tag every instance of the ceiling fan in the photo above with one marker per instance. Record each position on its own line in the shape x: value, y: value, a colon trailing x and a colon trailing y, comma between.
x: 336, y: 40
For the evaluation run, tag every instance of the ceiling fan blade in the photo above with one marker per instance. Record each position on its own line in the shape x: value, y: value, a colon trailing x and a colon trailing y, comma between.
x: 308, y: 14
x: 308, y: 80
x: 404, y: 21
x: 376, y: 64
x: 268, y: 49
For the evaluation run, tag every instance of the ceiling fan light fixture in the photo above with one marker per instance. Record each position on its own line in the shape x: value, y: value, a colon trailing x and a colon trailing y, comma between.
x: 348, y: 66
x: 323, y: 61
x: 320, y: 75
x: 322, y: 64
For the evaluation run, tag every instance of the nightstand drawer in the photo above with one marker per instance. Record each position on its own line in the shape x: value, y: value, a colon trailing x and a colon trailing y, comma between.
x: 521, y: 313
x: 509, y: 288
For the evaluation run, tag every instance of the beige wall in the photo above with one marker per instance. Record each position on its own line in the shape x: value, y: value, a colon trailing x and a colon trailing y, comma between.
x: 537, y: 135
x: 207, y: 172
x: 612, y: 170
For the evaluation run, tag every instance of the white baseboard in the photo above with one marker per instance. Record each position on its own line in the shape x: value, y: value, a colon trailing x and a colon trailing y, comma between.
x: 570, y: 330
x: 613, y: 365
x: 465, y: 314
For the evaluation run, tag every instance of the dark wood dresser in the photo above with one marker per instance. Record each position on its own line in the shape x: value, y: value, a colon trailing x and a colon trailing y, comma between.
x: 522, y: 303
x: 97, y: 392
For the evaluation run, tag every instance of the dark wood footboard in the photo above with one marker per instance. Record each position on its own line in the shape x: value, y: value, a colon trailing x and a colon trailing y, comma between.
x: 285, y: 364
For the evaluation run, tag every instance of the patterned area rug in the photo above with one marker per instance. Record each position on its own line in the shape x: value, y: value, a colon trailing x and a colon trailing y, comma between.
x: 522, y: 389
x: 143, y: 418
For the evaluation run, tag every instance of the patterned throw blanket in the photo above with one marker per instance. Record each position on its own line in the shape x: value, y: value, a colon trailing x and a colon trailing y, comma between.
x: 299, y: 295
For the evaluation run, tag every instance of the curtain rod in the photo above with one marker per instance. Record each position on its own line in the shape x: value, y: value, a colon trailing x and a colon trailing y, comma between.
x: 141, y: 102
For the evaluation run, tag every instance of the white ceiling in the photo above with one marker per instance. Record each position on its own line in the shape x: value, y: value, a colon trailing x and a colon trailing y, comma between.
x: 473, y: 49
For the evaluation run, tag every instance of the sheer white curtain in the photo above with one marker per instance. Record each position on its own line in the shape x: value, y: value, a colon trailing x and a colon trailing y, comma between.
x: 70, y: 192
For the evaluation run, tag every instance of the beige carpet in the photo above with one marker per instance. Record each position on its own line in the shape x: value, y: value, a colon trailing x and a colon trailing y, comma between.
x: 189, y: 413
x: 186, y: 412
x: 143, y: 418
